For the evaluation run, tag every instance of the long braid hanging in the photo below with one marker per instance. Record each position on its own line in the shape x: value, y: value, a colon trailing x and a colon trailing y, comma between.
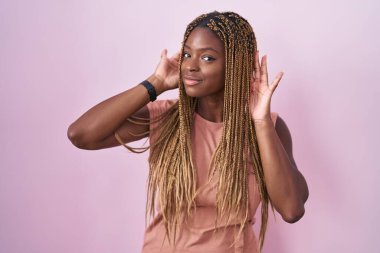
x: 172, y: 175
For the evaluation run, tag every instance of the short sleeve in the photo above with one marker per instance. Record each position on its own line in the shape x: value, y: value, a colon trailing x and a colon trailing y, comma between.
x: 156, y: 109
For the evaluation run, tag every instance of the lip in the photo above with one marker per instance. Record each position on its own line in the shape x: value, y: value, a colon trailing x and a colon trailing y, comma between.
x: 191, y: 80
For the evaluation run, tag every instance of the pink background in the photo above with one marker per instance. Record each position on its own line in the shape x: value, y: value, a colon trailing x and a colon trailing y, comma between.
x: 58, y: 58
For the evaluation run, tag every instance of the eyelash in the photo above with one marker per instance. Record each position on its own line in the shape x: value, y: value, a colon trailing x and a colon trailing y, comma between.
x: 210, y: 58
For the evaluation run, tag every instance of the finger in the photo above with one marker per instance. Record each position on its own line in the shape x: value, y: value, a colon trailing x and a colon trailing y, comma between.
x: 176, y: 55
x: 257, y: 66
x: 164, y: 53
x: 174, y: 60
x: 276, y: 81
x: 264, y: 70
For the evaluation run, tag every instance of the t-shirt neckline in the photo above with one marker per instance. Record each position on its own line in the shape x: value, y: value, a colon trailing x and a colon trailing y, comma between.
x: 207, y: 122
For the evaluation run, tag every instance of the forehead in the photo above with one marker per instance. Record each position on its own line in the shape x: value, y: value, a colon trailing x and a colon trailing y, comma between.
x: 202, y: 38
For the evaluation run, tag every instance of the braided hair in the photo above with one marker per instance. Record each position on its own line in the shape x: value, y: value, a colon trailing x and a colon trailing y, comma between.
x: 172, y: 174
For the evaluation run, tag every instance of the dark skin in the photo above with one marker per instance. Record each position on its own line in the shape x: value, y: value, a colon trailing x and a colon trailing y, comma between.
x: 204, y: 60
x: 203, y: 72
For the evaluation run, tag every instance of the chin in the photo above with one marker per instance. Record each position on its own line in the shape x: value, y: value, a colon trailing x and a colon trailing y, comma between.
x: 193, y: 93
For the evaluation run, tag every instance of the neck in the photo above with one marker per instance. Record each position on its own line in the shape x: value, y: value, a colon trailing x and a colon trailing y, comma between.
x: 211, y: 108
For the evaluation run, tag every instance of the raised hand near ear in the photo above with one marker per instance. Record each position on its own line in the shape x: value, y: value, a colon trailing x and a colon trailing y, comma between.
x: 167, y: 70
x: 261, y: 91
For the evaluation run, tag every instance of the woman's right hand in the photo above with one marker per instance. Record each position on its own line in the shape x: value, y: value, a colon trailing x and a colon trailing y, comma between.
x: 95, y: 128
x: 167, y: 71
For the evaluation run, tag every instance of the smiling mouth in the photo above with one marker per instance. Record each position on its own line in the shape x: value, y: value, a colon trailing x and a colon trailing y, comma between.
x: 190, y: 82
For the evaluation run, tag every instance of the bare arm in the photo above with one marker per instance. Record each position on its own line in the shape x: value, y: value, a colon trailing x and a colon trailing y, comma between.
x: 286, y: 186
x: 95, y: 128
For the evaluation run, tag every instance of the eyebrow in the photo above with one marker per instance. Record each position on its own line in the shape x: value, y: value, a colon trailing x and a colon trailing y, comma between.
x: 204, y: 49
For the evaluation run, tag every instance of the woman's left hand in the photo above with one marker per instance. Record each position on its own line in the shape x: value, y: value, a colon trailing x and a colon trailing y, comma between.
x: 261, y: 91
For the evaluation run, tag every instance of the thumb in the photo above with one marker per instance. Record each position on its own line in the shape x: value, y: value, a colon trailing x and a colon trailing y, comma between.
x: 164, y: 53
x: 276, y: 81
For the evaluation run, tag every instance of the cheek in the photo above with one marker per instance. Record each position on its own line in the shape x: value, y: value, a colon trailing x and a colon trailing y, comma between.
x: 216, y: 71
x: 181, y: 68
x: 223, y: 72
x: 216, y: 77
x: 219, y: 73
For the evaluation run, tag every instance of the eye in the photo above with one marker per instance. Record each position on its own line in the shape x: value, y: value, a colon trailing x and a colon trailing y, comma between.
x: 208, y: 58
x: 186, y: 55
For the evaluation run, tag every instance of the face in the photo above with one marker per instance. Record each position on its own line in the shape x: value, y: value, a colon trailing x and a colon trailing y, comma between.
x: 203, y: 64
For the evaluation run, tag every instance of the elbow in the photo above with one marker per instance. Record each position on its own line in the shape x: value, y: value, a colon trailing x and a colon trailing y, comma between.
x: 294, y: 215
x: 78, y: 138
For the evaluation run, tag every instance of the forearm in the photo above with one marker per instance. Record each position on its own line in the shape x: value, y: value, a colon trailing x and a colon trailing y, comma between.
x: 286, y: 186
x: 104, y: 118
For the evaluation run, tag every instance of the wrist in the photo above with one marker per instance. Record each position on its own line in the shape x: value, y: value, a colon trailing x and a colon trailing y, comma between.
x: 157, y: 83
x: 263, y: 126
x: 265, y: 121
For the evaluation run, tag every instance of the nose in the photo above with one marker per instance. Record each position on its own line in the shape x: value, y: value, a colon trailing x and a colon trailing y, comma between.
x: 191, y: 65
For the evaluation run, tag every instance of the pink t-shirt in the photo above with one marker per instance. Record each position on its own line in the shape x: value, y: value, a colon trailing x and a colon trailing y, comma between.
x: 198, y: 233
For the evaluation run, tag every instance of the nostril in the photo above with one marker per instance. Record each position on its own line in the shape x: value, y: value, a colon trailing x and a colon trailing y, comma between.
x: 193, y: 68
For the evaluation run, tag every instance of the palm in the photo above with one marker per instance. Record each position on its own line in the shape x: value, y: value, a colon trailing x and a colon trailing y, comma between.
x: 261, y: 91
x: 167, y: 70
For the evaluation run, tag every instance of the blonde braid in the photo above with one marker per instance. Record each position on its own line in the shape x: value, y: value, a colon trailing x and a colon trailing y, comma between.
x: 172, y: 175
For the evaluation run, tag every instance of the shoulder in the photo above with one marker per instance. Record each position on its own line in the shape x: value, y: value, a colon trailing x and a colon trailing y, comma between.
x: 157, y: 114
x: 282, y: 128
x: 274, y: 116
x: 162, y: 103
x: 160, y: 106
x: 284, y: 135
x: 280, y: 125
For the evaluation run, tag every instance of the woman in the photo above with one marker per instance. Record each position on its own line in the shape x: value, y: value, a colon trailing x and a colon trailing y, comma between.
x: 216, y: 152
